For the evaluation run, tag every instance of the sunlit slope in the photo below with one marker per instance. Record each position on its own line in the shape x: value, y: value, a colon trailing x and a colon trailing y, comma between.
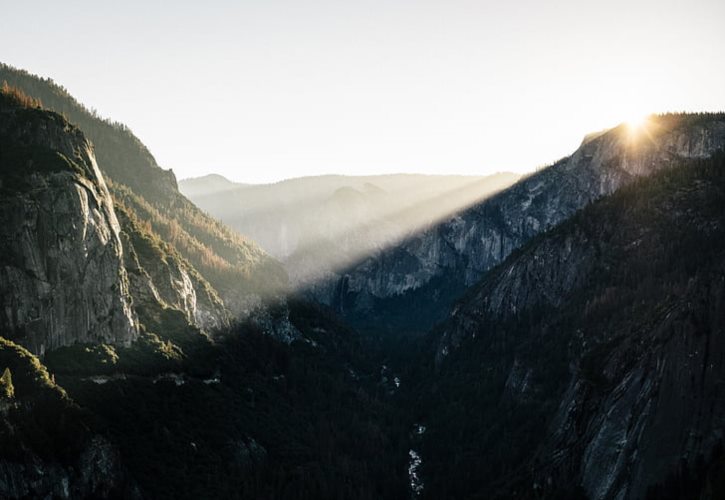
x: 419, y: 277
x: 236, y: 268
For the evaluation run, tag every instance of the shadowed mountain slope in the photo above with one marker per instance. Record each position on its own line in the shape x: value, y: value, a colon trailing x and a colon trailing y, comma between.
x: 590, y: 362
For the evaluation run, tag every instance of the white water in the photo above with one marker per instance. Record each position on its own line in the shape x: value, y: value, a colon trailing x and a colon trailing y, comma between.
x: 414, y: 463
x: 416, y: 483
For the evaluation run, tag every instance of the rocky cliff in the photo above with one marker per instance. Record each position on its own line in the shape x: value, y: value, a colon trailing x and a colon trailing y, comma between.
x: 210, y: 272
x: 590, y: 361
x: 160, y: 277
x: 62, y: 278
x: 455, y: 253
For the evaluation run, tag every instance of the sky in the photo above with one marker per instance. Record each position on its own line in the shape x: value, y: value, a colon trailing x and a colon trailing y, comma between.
x: 263, y: 90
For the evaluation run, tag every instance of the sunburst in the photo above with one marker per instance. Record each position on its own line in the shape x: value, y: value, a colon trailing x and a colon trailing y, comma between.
x: 637, y: 123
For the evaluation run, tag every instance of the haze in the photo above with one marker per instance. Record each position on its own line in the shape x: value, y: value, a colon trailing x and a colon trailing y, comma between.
x: 261, y: 91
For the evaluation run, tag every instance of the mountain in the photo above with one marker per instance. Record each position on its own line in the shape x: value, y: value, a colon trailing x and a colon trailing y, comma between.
x: 318, y: 225
x: 426, y: 271
x: 589, y: 363
x: 203, y: 261
x: 205, y: 185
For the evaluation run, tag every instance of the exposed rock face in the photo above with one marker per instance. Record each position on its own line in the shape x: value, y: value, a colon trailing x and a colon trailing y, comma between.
x: 464, y: 246
x: 248, y: 454
x: 607, y: 332
x: 168, y: 281
x: 62, y: 278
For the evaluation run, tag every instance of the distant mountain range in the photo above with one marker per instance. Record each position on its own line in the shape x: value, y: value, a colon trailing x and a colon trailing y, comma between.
x: 208, y: 185
x: 318, y: 225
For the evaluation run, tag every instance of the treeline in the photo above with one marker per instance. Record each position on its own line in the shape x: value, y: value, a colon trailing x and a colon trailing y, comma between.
x: 20, y: 97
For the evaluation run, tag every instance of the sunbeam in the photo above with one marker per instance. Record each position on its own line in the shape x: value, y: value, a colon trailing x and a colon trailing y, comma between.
x: 319, y: 225
x: 347, y: 246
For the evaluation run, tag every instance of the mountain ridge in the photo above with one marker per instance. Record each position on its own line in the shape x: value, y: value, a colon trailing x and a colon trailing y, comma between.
x: 461, y: 248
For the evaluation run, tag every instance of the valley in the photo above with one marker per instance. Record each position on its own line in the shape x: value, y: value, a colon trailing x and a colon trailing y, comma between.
x: 551, y: 335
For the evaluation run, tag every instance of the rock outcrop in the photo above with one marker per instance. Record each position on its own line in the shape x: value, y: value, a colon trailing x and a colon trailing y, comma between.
x: 62, y: 278
x: 96, y: 474
x: 159, y: 276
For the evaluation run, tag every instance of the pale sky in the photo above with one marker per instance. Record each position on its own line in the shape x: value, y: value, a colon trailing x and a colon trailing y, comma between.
x: 264, y: 90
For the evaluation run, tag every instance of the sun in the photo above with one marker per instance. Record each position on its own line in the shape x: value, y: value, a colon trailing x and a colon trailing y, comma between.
x: 637, y: 122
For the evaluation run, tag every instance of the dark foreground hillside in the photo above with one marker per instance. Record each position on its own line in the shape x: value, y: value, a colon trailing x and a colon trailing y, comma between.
x: 251, y: 417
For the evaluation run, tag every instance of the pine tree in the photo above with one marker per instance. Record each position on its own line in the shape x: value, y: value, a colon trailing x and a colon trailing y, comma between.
x: 6, y: 384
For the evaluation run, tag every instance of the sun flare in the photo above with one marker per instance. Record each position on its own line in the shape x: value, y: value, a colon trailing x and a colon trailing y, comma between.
x: 636, y: 123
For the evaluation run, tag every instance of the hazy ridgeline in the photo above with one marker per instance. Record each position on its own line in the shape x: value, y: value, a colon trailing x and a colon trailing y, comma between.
x: 316, y: 225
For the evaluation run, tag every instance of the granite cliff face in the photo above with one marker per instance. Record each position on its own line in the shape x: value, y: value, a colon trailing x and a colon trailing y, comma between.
x: 158, y: 277
x: 596, y: 352
x: 99, y: 283
x: 459, y: 250
x: 204, y: 269
x: 62, y: 278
